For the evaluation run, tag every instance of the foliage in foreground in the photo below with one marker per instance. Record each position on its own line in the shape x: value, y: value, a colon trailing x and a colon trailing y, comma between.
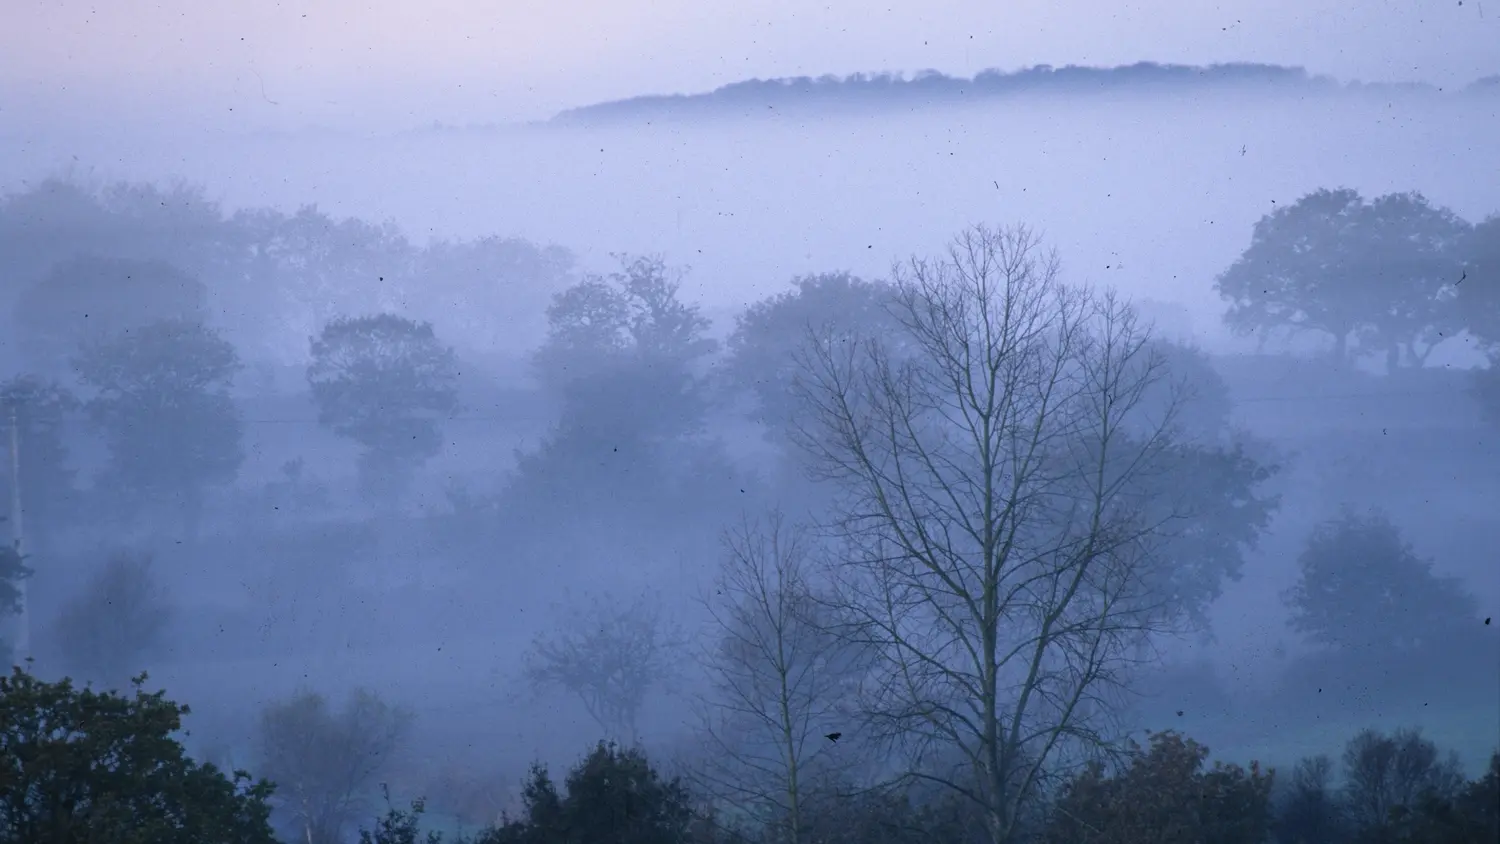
x: 81, y: 766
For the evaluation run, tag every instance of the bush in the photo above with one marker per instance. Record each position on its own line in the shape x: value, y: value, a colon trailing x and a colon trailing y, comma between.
x: 613, y: 796
x: 80, y: 766
x: 1165, y: 797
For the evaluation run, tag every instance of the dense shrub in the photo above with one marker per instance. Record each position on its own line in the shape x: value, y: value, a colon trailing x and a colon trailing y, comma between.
x: 613, y: 796
x: 81, y: 766
x: 1164, y: 796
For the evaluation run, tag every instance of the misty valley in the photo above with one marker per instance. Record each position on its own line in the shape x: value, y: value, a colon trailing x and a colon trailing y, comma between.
x: 1094, y: 470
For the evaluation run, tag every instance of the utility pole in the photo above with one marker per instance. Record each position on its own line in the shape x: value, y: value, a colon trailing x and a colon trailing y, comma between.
x: 23, y: 618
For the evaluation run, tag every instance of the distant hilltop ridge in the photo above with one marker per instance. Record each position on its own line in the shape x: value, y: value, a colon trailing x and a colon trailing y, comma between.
x: 868, y: 92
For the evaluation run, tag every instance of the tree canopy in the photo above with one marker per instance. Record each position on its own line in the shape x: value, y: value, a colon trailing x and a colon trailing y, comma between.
x: 761, y: 351
x: 161, y: 398
x: 613, y: 796
x: 1375, y: 276
x: 622, y: 353
x: 78, y: 766
x: 1165, y: 795
x: 387, y: 383
x: 88, y: 299
x: 624, y: 359
x: 1362, y: 586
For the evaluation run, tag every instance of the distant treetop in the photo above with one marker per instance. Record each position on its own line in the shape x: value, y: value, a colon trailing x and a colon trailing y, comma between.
x: 873, y: 91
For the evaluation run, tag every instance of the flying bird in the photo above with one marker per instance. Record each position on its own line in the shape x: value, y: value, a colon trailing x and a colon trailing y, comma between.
x: 834, y: 736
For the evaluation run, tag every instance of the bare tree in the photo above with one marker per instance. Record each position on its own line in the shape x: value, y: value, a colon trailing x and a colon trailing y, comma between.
x: 995, y: 463
x: 782, y: 683
x: 610, y: 654
x: 1386, y: 772
x: 325, y: 763
x: 115, y: 621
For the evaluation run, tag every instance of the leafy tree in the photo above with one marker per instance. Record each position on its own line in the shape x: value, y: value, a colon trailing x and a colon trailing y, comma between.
x: 13, y: 571
x: 1412, y: 256
x: 1195, y: 394
x: 1479, y: 302
x: 1208, y: 509
x: 325, y: 763
x: 761, y: 351
x: 385, y: 382
x: 1363, y: 587
x: 1164, y: 795
x: 621, y: 352
x: 623, y: 358
x: 80, y: 766
x: 1206, y: 487
x: 291, y: 274
x: 1478, y: 284
x: 400, y: 826
x: 89, y: 299
x: 613, y: 796
x: 1377, y: 273
x: 609, y: 654
x: 118, y: 618
x: 47, y: 479
x: 161, y: 399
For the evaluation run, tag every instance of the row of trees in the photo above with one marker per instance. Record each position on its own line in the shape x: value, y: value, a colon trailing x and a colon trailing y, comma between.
x: 1011, y: 497
x: 1011, y: 510
x: 628, y: 360
x: 64, y: 778
x: 268, y: 278
x: 159, y: 394
x: 1010, y: 513
x: 789, y: 666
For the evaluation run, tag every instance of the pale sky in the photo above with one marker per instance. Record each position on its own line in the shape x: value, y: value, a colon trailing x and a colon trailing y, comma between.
x: 402, y: 63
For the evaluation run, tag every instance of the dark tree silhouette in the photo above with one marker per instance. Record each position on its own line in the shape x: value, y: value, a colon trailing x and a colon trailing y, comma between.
x: 77, y: 766
x: 387, y: 383
x: 161, y: 399
x: 1375, y: 274
x: 1165, y: 795
x: 1363, y: 587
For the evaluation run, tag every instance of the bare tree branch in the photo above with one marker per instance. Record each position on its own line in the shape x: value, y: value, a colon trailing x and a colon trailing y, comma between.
x: 609, y: 654
x: 999, y: 537
x: 781, y: 681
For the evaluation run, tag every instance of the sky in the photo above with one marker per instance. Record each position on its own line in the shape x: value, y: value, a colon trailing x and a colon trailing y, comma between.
x: 393, y: 64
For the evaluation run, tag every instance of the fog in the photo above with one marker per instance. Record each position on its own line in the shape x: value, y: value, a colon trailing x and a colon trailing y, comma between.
x: 1153, y: 194
x: 432, y: 601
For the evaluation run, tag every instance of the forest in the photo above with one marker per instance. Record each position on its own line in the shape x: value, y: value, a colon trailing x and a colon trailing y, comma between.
x: 898, y: 559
